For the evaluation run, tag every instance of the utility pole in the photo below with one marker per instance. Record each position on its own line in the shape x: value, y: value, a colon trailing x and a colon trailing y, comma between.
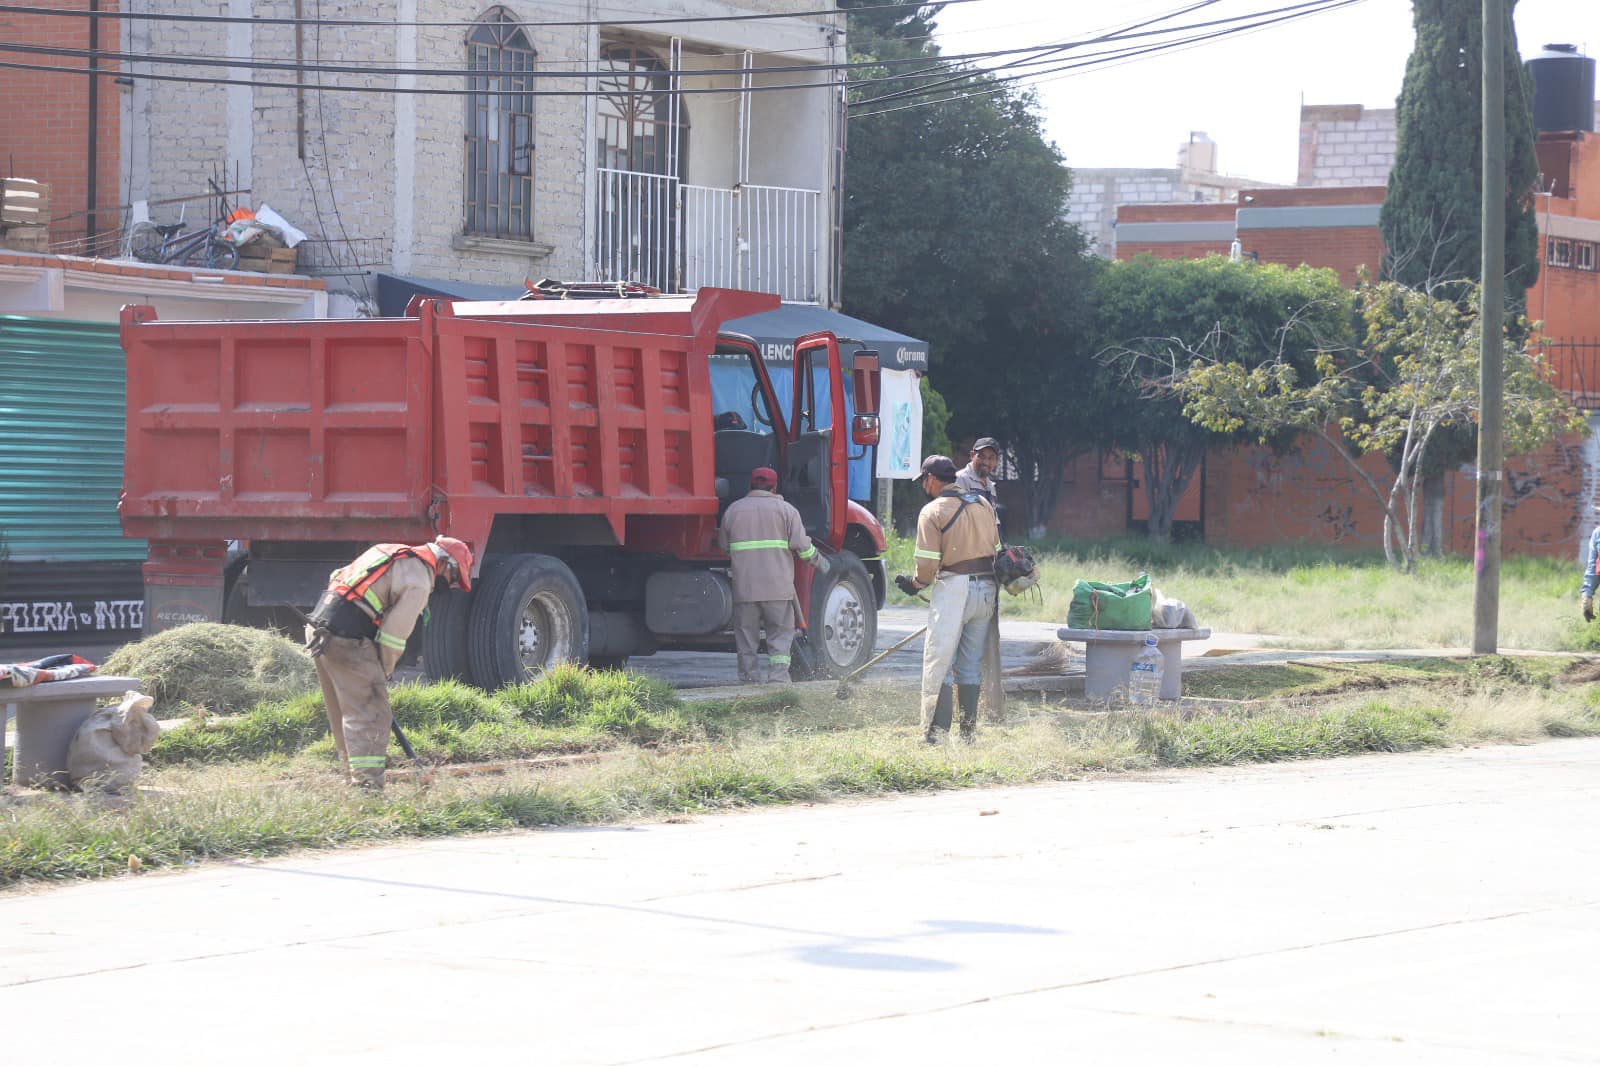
x: 1491, y: 351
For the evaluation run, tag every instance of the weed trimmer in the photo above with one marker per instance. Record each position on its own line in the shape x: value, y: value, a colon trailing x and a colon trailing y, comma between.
x: 394, y: 726
x: 843, y: 691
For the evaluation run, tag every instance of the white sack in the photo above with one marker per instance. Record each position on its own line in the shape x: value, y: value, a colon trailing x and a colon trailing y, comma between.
x: 107, y: 751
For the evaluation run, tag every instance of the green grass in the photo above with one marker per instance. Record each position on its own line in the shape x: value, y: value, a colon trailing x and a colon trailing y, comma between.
x: 266, y: 783
x: 1313, y: 596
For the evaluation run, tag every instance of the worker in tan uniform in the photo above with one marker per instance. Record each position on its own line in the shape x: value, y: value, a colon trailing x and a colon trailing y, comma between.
x: 359, y: 631
x: 762, y: 534
x: 957, y: 538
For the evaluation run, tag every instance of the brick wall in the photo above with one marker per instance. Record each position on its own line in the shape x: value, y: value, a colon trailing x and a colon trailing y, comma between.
x: 44, y: 117
x: 1345, y: 144
x: 1344, y: 249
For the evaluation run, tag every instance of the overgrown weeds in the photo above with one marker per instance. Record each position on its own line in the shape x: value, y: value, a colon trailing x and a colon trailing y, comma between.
x: 265, y: 782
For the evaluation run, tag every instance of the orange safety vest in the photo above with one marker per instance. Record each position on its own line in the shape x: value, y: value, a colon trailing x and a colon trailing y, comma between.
x: 349, y: 607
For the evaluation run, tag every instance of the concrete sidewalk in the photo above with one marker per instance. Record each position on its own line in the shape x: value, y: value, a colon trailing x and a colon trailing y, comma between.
x: 1431, y: 908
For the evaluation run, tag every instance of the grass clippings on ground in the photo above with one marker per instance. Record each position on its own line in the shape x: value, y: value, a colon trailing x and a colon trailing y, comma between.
x: 215, y: 668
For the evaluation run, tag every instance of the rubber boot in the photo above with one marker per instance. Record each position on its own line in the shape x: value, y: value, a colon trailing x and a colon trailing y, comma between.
x: 939, y: 728
x: 968, y: 695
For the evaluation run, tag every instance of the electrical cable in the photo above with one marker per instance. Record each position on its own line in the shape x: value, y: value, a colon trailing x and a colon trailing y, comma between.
x: 283, y: 20
x: 1078, y: 64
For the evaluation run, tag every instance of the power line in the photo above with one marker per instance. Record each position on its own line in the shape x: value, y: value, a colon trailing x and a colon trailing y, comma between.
x: 1117, y: 57
x: 284, y: 20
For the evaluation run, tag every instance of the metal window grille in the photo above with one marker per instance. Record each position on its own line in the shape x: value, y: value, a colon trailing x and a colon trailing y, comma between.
x: 499, y: 142
x: 643, y: 138
x: 1558, y: 252
x: 1583, y: 255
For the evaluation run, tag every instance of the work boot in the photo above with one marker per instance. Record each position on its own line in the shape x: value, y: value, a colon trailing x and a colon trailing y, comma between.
x: 366, y: 772
x: 968, y: 695
x: 939, y: 728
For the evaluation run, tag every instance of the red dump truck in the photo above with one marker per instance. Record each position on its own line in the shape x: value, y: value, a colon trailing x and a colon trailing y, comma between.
x: 571, y: 442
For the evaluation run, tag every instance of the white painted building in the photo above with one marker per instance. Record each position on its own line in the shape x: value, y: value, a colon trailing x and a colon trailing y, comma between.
x: 566, y: 152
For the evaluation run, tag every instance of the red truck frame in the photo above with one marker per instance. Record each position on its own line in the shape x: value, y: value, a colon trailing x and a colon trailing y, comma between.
x: 571, y: 443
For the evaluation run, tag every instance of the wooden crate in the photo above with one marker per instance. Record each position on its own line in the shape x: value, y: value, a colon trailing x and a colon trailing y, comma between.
x: 24, y: 203
x: 268, y: 260
x: 25, y: 238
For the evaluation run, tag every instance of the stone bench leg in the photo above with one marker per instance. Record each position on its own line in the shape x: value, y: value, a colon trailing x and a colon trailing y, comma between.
x: 1106, y: 667
x: 44, y: 732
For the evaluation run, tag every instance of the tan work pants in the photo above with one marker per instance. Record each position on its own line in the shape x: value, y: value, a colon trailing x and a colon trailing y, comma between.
x: 356, y: 693
x: 960, y: 607
x: 777, y: 618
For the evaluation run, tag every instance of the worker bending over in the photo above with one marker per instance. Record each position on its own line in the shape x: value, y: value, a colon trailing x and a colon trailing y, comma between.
x: 759, y: 533
x: 359, y: 631
x: 957, y: 538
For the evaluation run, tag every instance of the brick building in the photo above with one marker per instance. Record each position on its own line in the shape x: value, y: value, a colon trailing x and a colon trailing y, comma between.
x: 564, y: 153
x: 1247, y: 496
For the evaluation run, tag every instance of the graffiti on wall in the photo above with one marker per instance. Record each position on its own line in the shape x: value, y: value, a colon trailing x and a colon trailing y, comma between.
x: 52, y: 617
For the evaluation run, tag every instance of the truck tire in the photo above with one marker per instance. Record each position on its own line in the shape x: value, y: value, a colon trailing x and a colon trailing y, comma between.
x: 843, y: 622
x: 529, y: 614
x: 444, y: 638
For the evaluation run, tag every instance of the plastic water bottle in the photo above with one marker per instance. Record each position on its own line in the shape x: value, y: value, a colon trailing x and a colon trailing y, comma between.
x: 1144, y: 675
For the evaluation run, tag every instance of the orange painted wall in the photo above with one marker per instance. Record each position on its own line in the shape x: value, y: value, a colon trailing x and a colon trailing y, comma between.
x: 44, y: 117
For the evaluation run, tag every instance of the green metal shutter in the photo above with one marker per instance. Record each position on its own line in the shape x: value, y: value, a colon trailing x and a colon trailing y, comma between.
x: 62, y: 397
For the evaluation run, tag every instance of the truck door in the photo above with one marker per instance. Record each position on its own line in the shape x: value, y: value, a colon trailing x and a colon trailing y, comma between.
x: 750, y: 430
x: 815, y: 473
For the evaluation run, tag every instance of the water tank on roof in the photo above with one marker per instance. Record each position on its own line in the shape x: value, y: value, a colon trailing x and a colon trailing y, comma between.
x: 1563, y: 89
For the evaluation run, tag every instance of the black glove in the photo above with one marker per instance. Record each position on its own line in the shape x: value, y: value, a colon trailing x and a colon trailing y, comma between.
x: 907, y: 584
x: 1588, y: 607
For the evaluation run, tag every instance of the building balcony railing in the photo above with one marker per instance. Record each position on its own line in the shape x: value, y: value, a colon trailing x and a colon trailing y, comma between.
x: 677, y: 237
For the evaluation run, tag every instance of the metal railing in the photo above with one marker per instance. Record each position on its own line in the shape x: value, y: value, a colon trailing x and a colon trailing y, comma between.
x: 677, y: 237
x: 637, y: 233
x: 1575, y: 369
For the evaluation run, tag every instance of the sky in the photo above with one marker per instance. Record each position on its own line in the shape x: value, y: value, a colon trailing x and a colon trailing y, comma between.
x: 1243, y: 91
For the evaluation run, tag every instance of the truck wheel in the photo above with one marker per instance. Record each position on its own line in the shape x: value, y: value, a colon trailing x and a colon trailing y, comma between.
x: 529, y: 614
x: 843, y: 622
x: 444, y: 638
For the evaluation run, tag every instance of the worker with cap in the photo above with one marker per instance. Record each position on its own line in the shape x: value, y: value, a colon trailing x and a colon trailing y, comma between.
x: 957, y: 538
x: 359, y: 631
x: 762, y: 533
x: 978, y: 474
x: 1591, y: 572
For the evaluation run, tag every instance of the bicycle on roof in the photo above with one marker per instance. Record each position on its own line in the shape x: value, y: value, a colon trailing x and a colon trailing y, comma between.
x: 154, y: 242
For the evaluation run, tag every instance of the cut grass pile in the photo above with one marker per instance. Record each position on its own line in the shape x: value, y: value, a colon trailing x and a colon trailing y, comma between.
x: 1313, y: 596
x: 663, y: 758
x: 215, y: 668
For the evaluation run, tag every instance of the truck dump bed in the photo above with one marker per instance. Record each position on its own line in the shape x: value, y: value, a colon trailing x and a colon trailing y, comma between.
x: 399, y: 428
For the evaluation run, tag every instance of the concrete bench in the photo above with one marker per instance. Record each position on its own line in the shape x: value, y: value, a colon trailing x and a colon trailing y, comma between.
x: 1109, y: 653
x: 48, y: 714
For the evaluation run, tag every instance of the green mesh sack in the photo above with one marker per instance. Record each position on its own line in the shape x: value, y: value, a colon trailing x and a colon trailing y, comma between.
x: 1102, y: 605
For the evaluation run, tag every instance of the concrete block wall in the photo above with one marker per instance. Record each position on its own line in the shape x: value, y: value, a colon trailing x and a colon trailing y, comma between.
x: 1346, y: 144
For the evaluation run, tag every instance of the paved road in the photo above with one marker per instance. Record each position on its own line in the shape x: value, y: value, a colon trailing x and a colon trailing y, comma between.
x: 1434, y: 908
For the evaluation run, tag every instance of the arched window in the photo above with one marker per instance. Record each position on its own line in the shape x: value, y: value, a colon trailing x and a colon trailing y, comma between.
x: 499, y: 134
x: 636, y: 114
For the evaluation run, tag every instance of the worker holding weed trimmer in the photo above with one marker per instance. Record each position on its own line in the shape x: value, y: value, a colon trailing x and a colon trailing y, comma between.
x: 763, y: 534
x: 358, y: 632
x: 957, y: 538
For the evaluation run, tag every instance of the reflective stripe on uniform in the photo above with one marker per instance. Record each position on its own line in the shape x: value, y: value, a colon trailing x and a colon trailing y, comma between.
x: 923, y: 553
x: 778, y: 660
x: 373, y: 601
x: 808, y: 553
x: 751, y: 545
x: 368, y: 762
x: 389, y: 640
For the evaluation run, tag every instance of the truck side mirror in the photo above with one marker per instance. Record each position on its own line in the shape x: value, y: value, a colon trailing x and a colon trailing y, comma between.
x: 865, y: 429
x: 864, y: 380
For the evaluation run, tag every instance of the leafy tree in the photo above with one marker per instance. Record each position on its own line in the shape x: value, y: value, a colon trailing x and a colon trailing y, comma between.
x: 1161, y: 319
x: 1414, y: 374
x: 1432, y: 210
x: 954, y: 231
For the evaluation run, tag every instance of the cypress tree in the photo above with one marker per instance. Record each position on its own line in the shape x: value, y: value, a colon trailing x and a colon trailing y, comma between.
x: 1432, y: 212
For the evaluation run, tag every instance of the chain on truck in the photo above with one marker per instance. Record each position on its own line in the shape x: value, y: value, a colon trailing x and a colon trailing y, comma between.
x: 573, y: 443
